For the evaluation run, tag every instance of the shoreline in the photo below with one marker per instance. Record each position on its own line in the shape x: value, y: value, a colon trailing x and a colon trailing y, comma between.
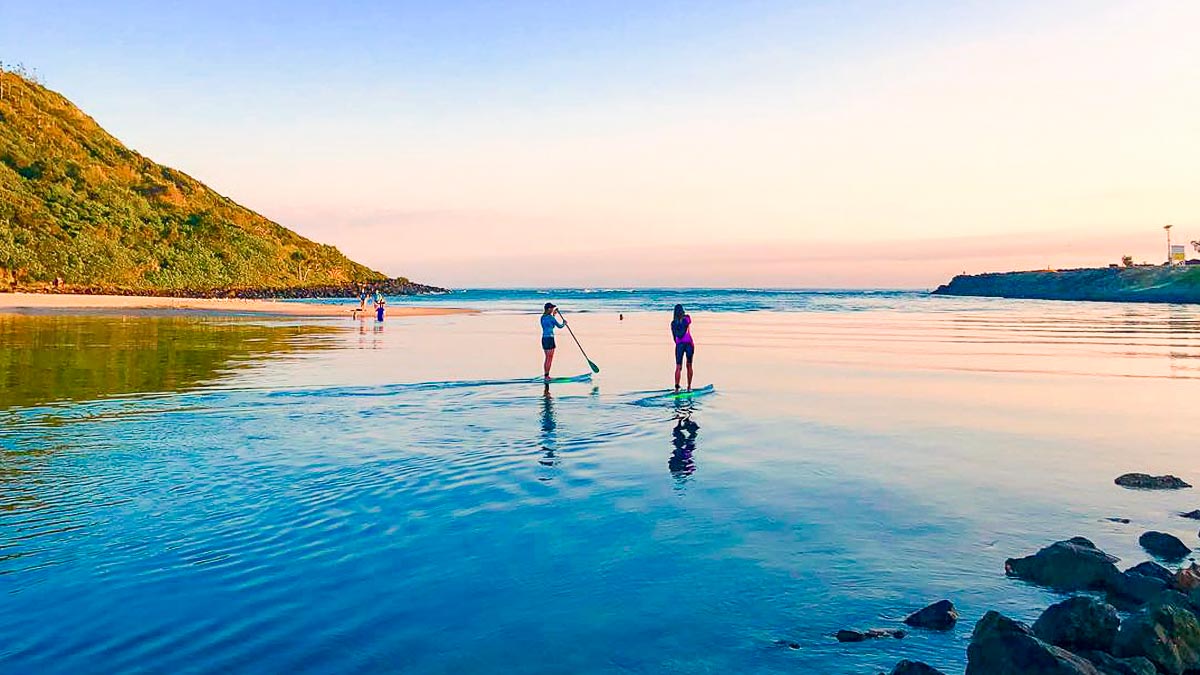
x: 143, y: 305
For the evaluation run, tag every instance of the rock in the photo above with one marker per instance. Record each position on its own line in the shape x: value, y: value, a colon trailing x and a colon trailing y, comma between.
x: 1143, y: 481
x: 1163, y: 632
x: 1072, y: 565
x: 1164, y: 546
x: 1194, y: 515
x: 1152, y: 569
x: 907, y: 667
x: 1078, y: 623
x: 846, y: 635
x: 1123, y: 521
x: 941, y: 615
x: 1187, y: 579
x: 1001, y: 646
x: 788, y: 643
x: 1130, y: 590
x: 1173, y: 598
x: 1108, y: 664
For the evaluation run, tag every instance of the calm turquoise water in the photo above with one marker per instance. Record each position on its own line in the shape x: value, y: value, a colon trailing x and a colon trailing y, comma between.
x: 342, y: 496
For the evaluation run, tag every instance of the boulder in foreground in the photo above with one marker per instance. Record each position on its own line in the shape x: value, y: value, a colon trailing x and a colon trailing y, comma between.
x: 1071, y: 565
x: 1166, y: 632
x: 941, y: 615
x: 1001, y: 646
x: 1144, y: 481
x: 1078, y: 623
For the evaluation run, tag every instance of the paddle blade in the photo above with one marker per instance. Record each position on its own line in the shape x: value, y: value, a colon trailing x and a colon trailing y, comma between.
x: 595, y: 368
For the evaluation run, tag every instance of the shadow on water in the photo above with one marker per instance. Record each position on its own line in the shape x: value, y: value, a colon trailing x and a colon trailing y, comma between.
x: 682, y: 463
x: 73, y: 358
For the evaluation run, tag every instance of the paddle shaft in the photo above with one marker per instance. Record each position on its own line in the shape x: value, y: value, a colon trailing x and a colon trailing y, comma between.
x: 595, y: 368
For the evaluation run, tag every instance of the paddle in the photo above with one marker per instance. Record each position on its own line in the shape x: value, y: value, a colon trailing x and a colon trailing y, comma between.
x: 595, y: 368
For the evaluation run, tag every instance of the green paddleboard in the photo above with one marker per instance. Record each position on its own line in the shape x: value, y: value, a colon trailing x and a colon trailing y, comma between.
x: 672, y: 395
x: 586, y: 377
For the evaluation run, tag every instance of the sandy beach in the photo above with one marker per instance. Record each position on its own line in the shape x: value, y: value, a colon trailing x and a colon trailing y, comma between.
x: 44, y: 303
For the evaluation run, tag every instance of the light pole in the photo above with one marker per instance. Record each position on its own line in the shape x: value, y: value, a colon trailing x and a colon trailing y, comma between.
x: 1168, y: 229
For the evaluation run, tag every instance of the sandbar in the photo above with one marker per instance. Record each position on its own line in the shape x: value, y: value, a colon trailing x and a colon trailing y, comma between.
x: 64, y: 303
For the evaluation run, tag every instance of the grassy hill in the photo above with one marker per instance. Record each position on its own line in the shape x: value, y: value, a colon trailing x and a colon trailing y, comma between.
x: 78, y: 205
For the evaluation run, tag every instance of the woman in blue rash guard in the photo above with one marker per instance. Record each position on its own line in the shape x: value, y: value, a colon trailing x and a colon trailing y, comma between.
x: 549, y: 323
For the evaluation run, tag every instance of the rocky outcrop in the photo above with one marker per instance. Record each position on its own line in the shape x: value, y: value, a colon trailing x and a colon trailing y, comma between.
x: 846, y: 635
x: 1078, y: 623
x: 1194, y: 515
x: 1166, y: 632
x: 941, y: 615
x: 1001, y: 646
x: 1071, y: 565
x: 1164, y: 546
x: 1144, y: 481
x: 1140, y: 283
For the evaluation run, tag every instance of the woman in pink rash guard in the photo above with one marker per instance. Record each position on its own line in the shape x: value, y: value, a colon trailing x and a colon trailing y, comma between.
x: 681, y: 330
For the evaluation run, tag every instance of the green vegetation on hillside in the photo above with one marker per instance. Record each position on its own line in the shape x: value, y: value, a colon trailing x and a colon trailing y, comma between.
x: 78, y: 205
x: 1140, y: 283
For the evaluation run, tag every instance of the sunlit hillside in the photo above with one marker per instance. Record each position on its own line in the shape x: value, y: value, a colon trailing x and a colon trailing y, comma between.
x: 77, y: 205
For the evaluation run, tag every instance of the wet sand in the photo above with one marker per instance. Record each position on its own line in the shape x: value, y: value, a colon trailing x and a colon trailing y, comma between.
x: 45, y: 303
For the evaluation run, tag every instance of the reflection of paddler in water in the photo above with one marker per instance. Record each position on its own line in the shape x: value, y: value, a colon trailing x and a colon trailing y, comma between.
x: 683, y: 437
x: 549, y: 429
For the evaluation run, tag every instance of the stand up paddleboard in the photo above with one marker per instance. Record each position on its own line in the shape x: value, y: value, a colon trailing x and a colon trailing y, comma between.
x: 681, y: 395
x: 586, y: 377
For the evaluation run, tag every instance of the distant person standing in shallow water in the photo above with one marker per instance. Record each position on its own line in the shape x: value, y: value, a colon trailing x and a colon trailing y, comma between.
x: 549, y: 323
x: 379, y: 305
x: 681, y: 330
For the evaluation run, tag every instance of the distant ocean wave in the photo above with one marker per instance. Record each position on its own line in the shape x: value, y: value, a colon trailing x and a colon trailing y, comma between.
x: 594, y: 299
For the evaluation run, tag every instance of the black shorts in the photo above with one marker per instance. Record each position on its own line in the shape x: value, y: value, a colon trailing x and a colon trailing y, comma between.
x: 682, y: 348
x: 548, y: 343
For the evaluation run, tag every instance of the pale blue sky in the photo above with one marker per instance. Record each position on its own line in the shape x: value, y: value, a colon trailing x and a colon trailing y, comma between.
x: 441, y: 139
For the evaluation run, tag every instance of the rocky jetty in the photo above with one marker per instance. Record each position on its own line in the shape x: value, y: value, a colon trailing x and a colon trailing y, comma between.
x: 1083, y: 634
x: 1144, y: 481
x: 1144, y: 620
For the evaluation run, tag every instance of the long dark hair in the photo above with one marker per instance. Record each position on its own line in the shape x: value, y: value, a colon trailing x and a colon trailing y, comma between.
x: 678, y: 313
